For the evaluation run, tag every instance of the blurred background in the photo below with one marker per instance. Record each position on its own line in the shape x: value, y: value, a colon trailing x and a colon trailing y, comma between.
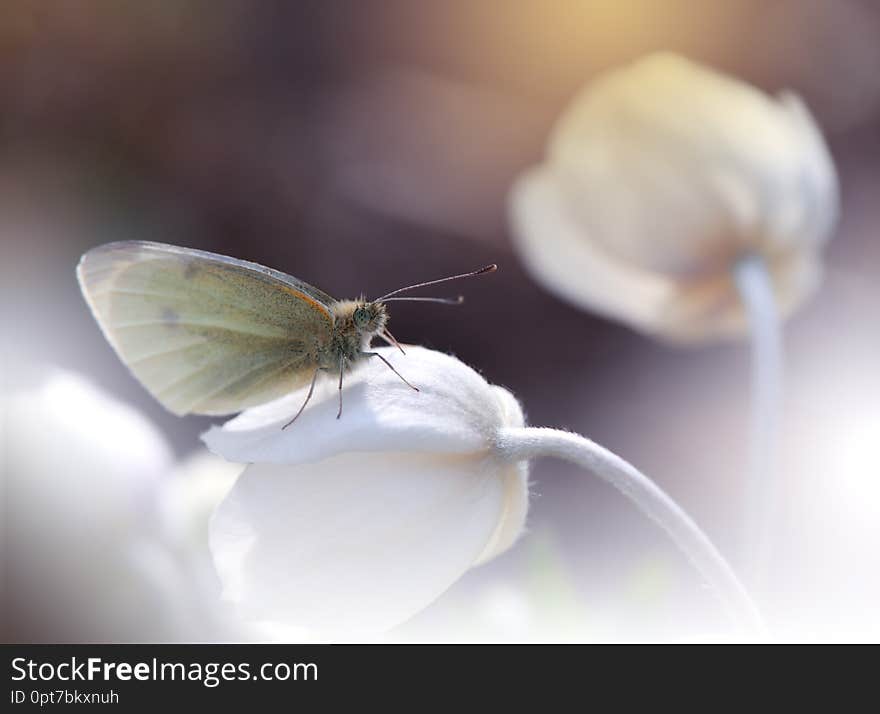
x: 363, y: 146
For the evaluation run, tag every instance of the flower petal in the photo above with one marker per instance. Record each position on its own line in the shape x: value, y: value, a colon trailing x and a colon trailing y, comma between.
x: 82, y: 458
x: 515, y: 479
x: 357, y: 543
x: 563, y: 257
x: 455, y: 411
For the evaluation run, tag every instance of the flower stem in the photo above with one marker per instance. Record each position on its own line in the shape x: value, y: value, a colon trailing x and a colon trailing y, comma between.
x: 761, y: 495
x: 531, y: 442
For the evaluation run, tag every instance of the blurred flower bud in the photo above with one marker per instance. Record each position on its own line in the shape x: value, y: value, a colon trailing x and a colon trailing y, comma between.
x: 657, y: 180
x: 354, y: 525
x: 89, y: 554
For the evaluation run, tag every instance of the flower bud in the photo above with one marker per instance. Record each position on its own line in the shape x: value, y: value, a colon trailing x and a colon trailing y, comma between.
x: 661, y: 176
x: 355, y: 524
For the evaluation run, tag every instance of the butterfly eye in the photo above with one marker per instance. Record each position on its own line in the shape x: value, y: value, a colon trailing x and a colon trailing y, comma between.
x: 361, y: 317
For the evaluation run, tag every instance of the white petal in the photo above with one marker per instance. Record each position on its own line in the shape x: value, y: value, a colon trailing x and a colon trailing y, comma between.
x: 455, y: 411
x: 189, y: 498
x: 817, y: 177
x: 561, y: 255
x: 78, y: 456
x: 511, y: 525
x: 359, y: 542
x: 516, y: 487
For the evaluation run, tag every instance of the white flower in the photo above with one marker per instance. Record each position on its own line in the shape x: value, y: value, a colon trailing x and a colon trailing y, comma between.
x: 89, y: 551
x: 353, y: 525
x: 658, y: 178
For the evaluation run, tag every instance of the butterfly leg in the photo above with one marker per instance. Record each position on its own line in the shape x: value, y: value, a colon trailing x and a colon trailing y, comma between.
x: 308, y: 396
x: 341, y: 372
x: 391, y: 367
x: 389, y: 338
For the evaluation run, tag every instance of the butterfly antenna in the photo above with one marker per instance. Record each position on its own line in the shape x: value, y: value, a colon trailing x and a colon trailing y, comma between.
x: 488, y: 269
x: 443, y: 301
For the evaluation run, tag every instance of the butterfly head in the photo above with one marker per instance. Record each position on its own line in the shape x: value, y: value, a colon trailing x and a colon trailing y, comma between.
x: 369, y: 318
x: 360, y: 318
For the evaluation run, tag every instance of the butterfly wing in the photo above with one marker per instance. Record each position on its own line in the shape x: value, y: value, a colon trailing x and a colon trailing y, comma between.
x: 204, y: 333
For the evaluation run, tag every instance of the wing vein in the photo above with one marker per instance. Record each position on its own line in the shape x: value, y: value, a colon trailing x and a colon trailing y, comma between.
x: 169, y: 296
x: 160, y: 353
x: 189, y: 375
x: 276, y: 334
x: 208, y: 397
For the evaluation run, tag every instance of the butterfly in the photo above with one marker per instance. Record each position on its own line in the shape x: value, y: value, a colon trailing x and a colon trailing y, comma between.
x: 209, y: 334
